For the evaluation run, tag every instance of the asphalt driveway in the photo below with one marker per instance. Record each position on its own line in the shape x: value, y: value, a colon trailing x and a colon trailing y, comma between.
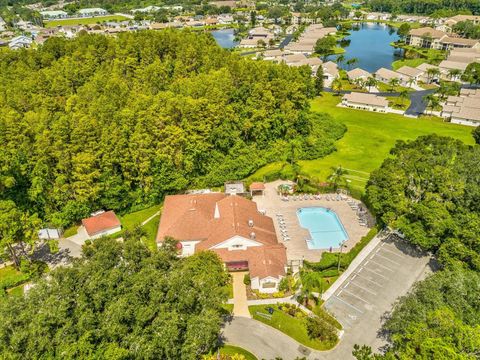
x: 359, y: 304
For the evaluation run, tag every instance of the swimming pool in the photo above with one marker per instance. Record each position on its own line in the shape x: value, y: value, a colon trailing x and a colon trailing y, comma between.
x: 326, y: 229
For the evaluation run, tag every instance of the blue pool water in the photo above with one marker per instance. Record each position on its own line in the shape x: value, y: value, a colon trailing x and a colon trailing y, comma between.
x: 324, y: 226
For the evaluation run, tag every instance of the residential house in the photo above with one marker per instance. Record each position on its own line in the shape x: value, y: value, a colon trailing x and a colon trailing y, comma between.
x: 91, y: 12
x: 330, y: 72
x: 358, y: 74
x: 425, y: 77
x: 306, y: 42
x: 257, y: 36
x: 53, y: 14
x: 101, y: 223
x: 413, y: 74
x: 427, y: 37
x: 386, y: 75
x: 463, y: 109
x: 233, y: 228
x: 365, y: 101
x: 20, y: 42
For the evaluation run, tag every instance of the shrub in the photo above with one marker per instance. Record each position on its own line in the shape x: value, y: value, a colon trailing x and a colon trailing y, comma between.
x: 246, y: 279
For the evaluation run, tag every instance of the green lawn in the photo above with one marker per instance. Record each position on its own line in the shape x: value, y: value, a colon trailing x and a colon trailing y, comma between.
x: 367, y: 142
x: 131, y: 220
x: 84, y: 21
x: 292, y: 326
x: 395, y: 102
x: 382, y: 87
x: 408, y: 62
x: 232, y: 350
x: 10, y: 277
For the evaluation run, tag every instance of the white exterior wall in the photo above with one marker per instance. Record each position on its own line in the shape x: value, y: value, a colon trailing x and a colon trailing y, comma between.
x: 236, y: 243
x: 461, y: 121
x: 364, y: 106
x: 106, y: 233
x: 188, y: 247
x: 257, y: 284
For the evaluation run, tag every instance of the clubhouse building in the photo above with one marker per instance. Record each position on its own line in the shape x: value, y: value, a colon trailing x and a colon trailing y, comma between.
x: 233, y: 228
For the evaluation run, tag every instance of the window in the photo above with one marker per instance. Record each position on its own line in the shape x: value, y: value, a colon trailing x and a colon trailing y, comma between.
x: 269, y: 285
x: 237, y: 246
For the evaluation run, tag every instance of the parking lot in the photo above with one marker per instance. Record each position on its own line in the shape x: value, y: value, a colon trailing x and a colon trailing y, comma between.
x: 370, y: 291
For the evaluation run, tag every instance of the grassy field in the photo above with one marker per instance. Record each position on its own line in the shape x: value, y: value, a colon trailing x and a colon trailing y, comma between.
x: 130, y: 221
x: 367, y: 142
x: 396, y: 102
x: 408, y: 62
x: 382, y: 87
x: 232, y: 350
x: 10, y: 277
x: 84, y: 21
x: 292, y: 326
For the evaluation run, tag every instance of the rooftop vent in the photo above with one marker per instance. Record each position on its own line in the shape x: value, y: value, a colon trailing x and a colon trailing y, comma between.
x: 252, y: 235
x: 250, y: 223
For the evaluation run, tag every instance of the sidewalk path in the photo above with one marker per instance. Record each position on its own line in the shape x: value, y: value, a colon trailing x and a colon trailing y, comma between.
x: 240, y: 305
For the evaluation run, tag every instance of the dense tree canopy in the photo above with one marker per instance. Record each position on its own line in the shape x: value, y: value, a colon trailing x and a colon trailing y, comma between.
x: 430, y: 190
x: 423, y: 6
x: 116, y: 122
x: 119, y: 301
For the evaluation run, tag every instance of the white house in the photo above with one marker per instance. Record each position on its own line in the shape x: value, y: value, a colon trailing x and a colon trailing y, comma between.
x: 20, y: 42
x: 365, y: 101
x: 90, y: 12
x: 53, y: 14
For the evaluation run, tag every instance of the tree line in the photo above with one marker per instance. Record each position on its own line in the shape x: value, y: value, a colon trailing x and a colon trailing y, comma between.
x: 117, y: 123
x: 429, y: 189
x: 424, y: 7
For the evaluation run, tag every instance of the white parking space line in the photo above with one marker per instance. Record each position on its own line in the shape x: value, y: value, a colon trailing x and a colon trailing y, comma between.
x: 376, y: 273
x: 348, y: 304
x: 356, y: 296
x: 383, y: 266
x: 386, y: 258
x: 393, y: 253
x: 366, y: 278
x: 361, y: 287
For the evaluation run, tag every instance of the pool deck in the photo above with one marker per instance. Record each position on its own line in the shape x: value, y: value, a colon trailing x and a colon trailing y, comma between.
x: 297, y: 248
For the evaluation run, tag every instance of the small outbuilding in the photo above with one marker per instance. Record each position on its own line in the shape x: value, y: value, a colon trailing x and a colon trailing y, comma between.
x: 235, y: 188
x: 102, y: 224
x: 257, y: 188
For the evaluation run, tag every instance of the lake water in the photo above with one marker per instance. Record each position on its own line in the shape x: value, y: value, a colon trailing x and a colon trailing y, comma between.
x: 370, y: 44
x: 225, y: 38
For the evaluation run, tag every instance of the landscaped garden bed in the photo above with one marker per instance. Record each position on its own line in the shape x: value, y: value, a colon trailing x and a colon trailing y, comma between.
x: 316, y: 332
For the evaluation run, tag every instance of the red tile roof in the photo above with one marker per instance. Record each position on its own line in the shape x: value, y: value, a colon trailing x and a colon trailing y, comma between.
x: 216, y: 217
x: 101, y: 222
x: 257, y: 186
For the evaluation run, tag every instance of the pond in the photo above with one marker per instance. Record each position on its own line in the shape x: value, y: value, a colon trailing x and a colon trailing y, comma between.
x: 225, y: 38
x: 370, y: 44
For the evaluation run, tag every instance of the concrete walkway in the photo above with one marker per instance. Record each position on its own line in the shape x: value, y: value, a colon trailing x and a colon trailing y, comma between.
x: 240, y: 304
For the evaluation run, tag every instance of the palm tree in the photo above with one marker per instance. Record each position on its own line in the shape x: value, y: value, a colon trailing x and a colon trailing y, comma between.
x: 371, y: 81
x: 351, y: 62
x: 410, y: 82
x: 432, y: 73
x: 393, y: 82
x: 340, y: 59
x: 432, y: 102
x: 454, y: 73
x: 337, y: 86
x: 337, y: 176
x: 403, y: 96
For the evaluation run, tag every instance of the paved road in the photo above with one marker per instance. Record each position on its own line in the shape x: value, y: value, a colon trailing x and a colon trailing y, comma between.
x: 418, y: 105
x: 359, y: 304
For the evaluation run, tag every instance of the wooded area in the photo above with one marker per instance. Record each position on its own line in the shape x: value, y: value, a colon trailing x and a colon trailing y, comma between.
x: 115, y: 123
x: 119, y: 301
x: 426, y: 7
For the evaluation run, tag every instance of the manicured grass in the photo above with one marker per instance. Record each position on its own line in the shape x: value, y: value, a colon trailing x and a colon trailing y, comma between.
x: 16, y: 291
x: 10, y: 277
x: 408, y: 62
x: 295, y: 327
x: 151, y: 229
x: 84, y: 21
x: 134, y: 219
x: 368, y: 140
x: 233, y: 350
x: 395, y: 102
x: 382, y: 87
